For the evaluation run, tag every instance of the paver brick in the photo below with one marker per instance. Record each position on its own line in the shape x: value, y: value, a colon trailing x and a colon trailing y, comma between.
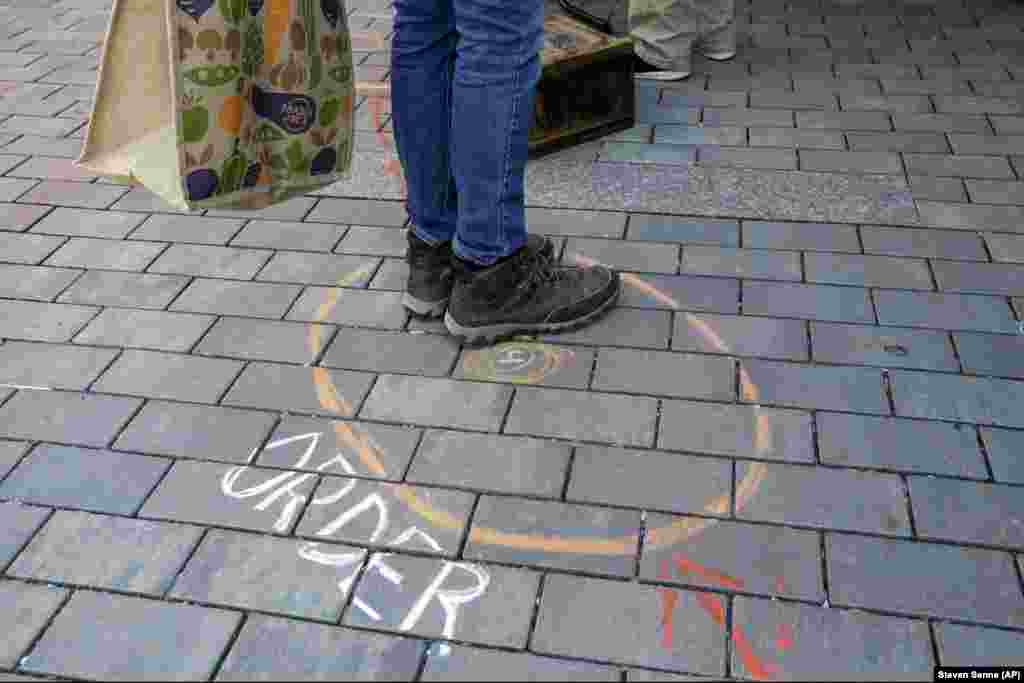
x: 962, y: 645
x: 496, y: 604
x: 143, y: 200
x: 806, y: 496
x: 911, y: 103
x: 52, y: 366
x: 641, y: 328
x: 359, y: 212
x: 966, y: 104
x: 972, y: 216
x: 927, y: 86
x: 294, y: 209
x: 743, y: 263
x: 36, y: 321
x: 900, y: 577
x: 967, y: 166
x: 995, y: 145
x: 813, y: 642
x: 979, y: 278
x: 264, y: 573
x: 317, y: 444
x: 882, y: 442
x: 1007, y: 125
x: 921, y: 143
x: 188, y: 228
x: 437, y: 402
x: 374, y: 241
x: 940, y: 123
x: 200, y: 432
x: 944, y: 311
x: 728, y: 555
x: 289, y: 235
x: 137, y: 290
x: 610, y: 621
x: 921, y: 243
x: 967, y: 512
x: 338, y: 516
x: 273, y: 647
x: 854, y: 120
x: 581, y: 223
x: 476, y: 664
x: 66, y: 417
x: 850, y: 389
x: 659, y: 228
x: 850, y: 162
x: 156, y: 330
x: 20, y: 523
x: 239, y: 497
x: 867, y: 271
x: 372, y: 350
x: 800, y: 236
x: 733, y: 136
x: 69, y: 148
x: 741, y: 336
x: 209, y: 261
x: 86, y: 252
x: 486, y: 462
x: 752, y: 117
x: 576, y: 415
x: 101, y: 551
x: 172, y: 376
x: 665, y: 374
x: 1003, y: 447
x: 547, y: 366
x: 271, y: 386
x: 101, y: 481
x: 49, y: 168
x: 157, y: 640
x: 556, y: 520
x: 815, y: 302
x: 28, y: 610
x: 1005, y: 248
x: 40, y: 283
x: 939, y: 189
x: 951, y: 397
x: 800, y: 138
x: 882, y: 347
x: 355, y: 307
x: 319, y: 269
x: 650, y: 480
x: 20, y: 217
x: 78, y: 195
x: 267, y: 340
x: 991, y: 354
x: 27, y: 249
x: 763, y: 158
x: 634, y: 256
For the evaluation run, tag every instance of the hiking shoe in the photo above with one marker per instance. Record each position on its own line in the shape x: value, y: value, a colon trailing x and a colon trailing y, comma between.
x: 430, y: 281
x: 527, y: 294
x: 647, y: 71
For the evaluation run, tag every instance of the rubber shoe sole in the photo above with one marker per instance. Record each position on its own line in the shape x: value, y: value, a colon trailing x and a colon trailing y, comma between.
x: 720, y: 55
x: 424, y: 309
x: 488, y: 334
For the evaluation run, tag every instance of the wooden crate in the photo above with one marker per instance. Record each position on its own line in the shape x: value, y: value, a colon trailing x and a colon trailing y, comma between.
x: 586, y: 88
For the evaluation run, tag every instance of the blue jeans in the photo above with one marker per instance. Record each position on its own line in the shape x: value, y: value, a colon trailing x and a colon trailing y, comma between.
x: 463, y: 77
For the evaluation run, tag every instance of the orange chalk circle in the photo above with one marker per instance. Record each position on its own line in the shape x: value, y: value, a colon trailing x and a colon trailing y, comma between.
x: 677, y: 532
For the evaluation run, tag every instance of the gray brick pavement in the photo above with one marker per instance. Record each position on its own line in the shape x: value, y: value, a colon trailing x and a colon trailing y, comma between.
x: 147, y: 354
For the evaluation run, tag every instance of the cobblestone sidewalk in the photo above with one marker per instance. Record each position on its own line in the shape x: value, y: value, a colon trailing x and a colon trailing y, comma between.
x: 793, y: 451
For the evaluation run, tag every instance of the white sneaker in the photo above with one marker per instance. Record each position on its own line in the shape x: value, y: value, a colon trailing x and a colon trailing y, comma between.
x: 719, y: 55
x: 646, y: 71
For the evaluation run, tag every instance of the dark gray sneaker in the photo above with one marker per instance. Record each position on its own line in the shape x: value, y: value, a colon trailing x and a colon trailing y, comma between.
x: 527, y: 294
x: 431, y: 277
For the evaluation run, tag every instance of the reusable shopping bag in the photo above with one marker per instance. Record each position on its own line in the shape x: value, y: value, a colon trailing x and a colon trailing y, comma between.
x: 224, y: 103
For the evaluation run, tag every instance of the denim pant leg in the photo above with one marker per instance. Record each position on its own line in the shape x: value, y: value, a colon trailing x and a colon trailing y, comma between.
x: 496, y: 73
x: 423, y: 60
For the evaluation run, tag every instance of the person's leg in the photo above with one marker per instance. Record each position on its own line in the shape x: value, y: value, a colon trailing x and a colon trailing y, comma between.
x: 665, y: 32
x: 717, y: 29
x: 422, y: 61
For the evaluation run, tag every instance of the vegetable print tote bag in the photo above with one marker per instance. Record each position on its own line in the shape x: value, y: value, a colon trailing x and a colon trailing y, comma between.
x: 224, y: 103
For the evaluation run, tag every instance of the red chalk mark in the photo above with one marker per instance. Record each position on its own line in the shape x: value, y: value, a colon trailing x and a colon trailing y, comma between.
x: 783, y: 637
x: 760, y: 671
x: 713, y: 606
x: 780, y: 585
x: 688, y: 567
x: 669, y: 598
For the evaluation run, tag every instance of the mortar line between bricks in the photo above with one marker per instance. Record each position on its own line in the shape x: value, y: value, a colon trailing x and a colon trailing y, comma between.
x: 823, y: 558
x: 727, y: 632
x: 416, y: 448
x: 531, y: 630
x: 962, y: 369
x: 905, y: 484
x: 46, y: 627
x: 4, y: 568
x: 228, y: 647
x: 570, y: 462
x: 203, y: 533
x: 357, y: 578
x: 421, y: 667
x: 464, y: 534
x: 70, y: 284
x: 985, y: 456
x: 119, y: 352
